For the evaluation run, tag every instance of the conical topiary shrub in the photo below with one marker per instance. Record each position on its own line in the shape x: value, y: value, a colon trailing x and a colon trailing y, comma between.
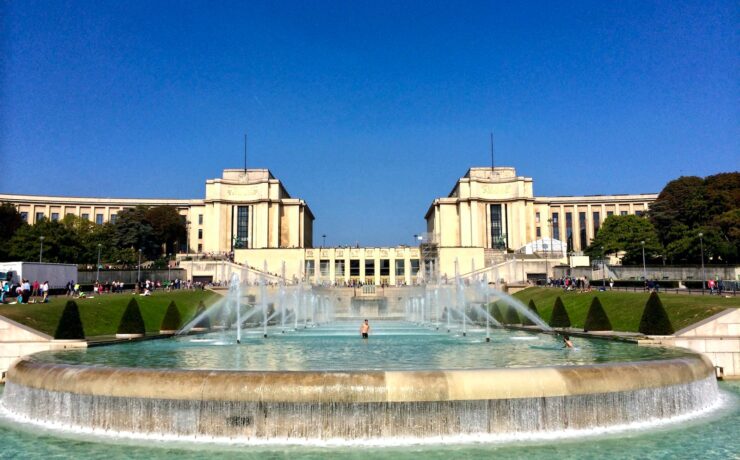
x: 559, y: 317
x: 70, y: 324
x: 654, y: 319
x: 512, y: 317
x: 132, y: 324
x: 496, y: 313
x: 171, y: 321
x: 205, y: 323
x: 532, y: 308
x: 596, y: 319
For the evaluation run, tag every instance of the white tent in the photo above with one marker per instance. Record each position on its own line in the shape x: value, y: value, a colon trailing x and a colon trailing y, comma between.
x: 546, y: 246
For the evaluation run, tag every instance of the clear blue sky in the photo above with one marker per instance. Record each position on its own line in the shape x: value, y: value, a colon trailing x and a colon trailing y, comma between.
x: 367, y: 110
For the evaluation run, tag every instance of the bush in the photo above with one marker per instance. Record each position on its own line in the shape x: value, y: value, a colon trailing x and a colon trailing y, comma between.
x: 131, y: 321
x: 512, y: 317
x: 596, y: 318
x: 559, y: 317
x: 172, y: 320
x: 205, y: 322
x: 70, y: 324
x: 496, y: 313
x: 654, y: 319
x: 533, y: 308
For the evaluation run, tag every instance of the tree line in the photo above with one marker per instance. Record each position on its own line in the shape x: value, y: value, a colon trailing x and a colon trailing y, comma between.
x: 690, y: 213
x: 156, y: 230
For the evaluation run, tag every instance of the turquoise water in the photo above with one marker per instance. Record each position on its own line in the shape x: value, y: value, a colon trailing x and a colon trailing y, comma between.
x: 338, y: 346
x: 712, y: 437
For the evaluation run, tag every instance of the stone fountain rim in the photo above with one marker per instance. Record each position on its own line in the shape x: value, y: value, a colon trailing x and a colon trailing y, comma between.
x: 374, y: 386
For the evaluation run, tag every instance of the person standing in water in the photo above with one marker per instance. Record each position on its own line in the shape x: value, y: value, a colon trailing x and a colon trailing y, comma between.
x: 566, y: 341
x: 365, y: 330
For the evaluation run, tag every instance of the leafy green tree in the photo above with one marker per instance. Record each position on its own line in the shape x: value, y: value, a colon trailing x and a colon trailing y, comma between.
x: 10, y: 222
x: 559, y: 317
x: 172, y: 319
x: 654, y: 319
x: 625, y: 234
x: 596, y: 318
x: 132, y: 322
x: 133, y: 230
x: 61, y: 243
x: 70, y: 324
x: 168, y: 226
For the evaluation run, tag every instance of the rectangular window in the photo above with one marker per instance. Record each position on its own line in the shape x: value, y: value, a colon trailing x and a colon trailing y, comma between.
x: 569, y: 230
x: 638, y: 213
x: 498, y: 239
x: 539, y: 232
x: 597, y: 222
x: 400, y: 267
x: 622, y: 213
x: 99, y: 219
x: 86, y: 216
x: 339, y: 268
x: 200, y: 233
x: 555, y: 226
x: 414, y: 267
x: 55, y: 216
x: 200, y: 247
x: 113, y: 218
x: 582, y: 229
x: 354, y: 267
x: 24, y: 216
x: 324, y: 267
x: 609, y: 213
x: 200, y: 219
x: 537, y: 217
x: 370, y: 267
x: 39, y: 216
x: 242, y: 227
x: 385, y: 267
x: 310, y: 268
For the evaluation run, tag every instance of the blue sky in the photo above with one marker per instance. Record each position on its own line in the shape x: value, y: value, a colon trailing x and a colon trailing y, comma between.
x: 367, y: 110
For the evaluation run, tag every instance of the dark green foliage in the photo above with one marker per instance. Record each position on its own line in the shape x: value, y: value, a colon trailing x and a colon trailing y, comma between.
x: 596, y: 318
x: 559, y: 316
x: 70, y: 324
x: 654, y: 319
x: 496, y: 313
x: 131, y: 321
x: 533, y: 308
x: 205, y: 322
x: 626, y: 233
x: 172, y: 319
x: 512, y: 317
x: 10, y: 222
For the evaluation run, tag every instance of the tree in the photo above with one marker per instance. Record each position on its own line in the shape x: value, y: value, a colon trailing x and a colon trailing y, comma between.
x: 133, y: 230
x: 654, y: 319
x: 70, y: 324
x: 596, y: 318
x: 10, y: 222
x: 532, y: 308
x: 205, y: 321
x: 132, y: 321
x: 559, y: 317
x: 61, y: 243
x: 168, y: 226
x: 172, y: 319
x: 496, y: 313
x: 512, y: 317
x: 625, y: 234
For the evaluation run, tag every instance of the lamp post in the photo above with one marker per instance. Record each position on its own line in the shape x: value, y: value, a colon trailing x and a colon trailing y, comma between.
x: 138, y: 270
x: 169, y: 265
x: 703, y: 273
x: 41, y: 248
x: 603, y: 270
x: 323, y: 240
x: 97, y: 273
x: 644, y: 269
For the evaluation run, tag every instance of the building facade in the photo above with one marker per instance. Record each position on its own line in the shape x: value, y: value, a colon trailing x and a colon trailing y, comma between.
x: 249, y: 215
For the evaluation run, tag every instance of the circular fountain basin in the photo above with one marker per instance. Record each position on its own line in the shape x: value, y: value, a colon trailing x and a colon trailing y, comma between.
x: 415, y: 399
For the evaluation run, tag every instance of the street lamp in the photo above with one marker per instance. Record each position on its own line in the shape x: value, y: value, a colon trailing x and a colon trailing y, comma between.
x: 644, y: 269
x: 138, y: 270
x: 97, y: 274
x: 603, y: 270
x: 703, y: 273
x: 323, y: 239
x: 41, y: 248
x: 169, y: 260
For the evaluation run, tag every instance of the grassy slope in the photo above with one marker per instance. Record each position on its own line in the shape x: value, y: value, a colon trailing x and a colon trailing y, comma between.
x: 625, y: 308
x: 101, y: 315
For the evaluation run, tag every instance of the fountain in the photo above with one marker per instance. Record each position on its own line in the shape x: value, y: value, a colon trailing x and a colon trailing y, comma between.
x: 322, y: 383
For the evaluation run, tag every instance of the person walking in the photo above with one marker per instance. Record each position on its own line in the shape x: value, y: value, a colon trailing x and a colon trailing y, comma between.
x: 365, y: 330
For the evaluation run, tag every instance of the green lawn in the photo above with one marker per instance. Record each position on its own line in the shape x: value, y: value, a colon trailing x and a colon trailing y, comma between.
x: 101, y: 315
x: 625, y: 308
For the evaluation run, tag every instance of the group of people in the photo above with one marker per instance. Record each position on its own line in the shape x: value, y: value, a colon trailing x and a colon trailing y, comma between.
x: 568, y: 283
x: 26, y: 292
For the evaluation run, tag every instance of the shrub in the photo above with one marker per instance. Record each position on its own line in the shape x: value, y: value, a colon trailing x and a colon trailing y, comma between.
x: 596, y: 318
x: 512, y: 317
x: 533, y: 308
x: 131, y: 321
x: 654, y: 319
x: 559, y: 317
x: 70, y: 324
x: 205, y: 322
x: 172, y: 320
x: 496, y: 313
